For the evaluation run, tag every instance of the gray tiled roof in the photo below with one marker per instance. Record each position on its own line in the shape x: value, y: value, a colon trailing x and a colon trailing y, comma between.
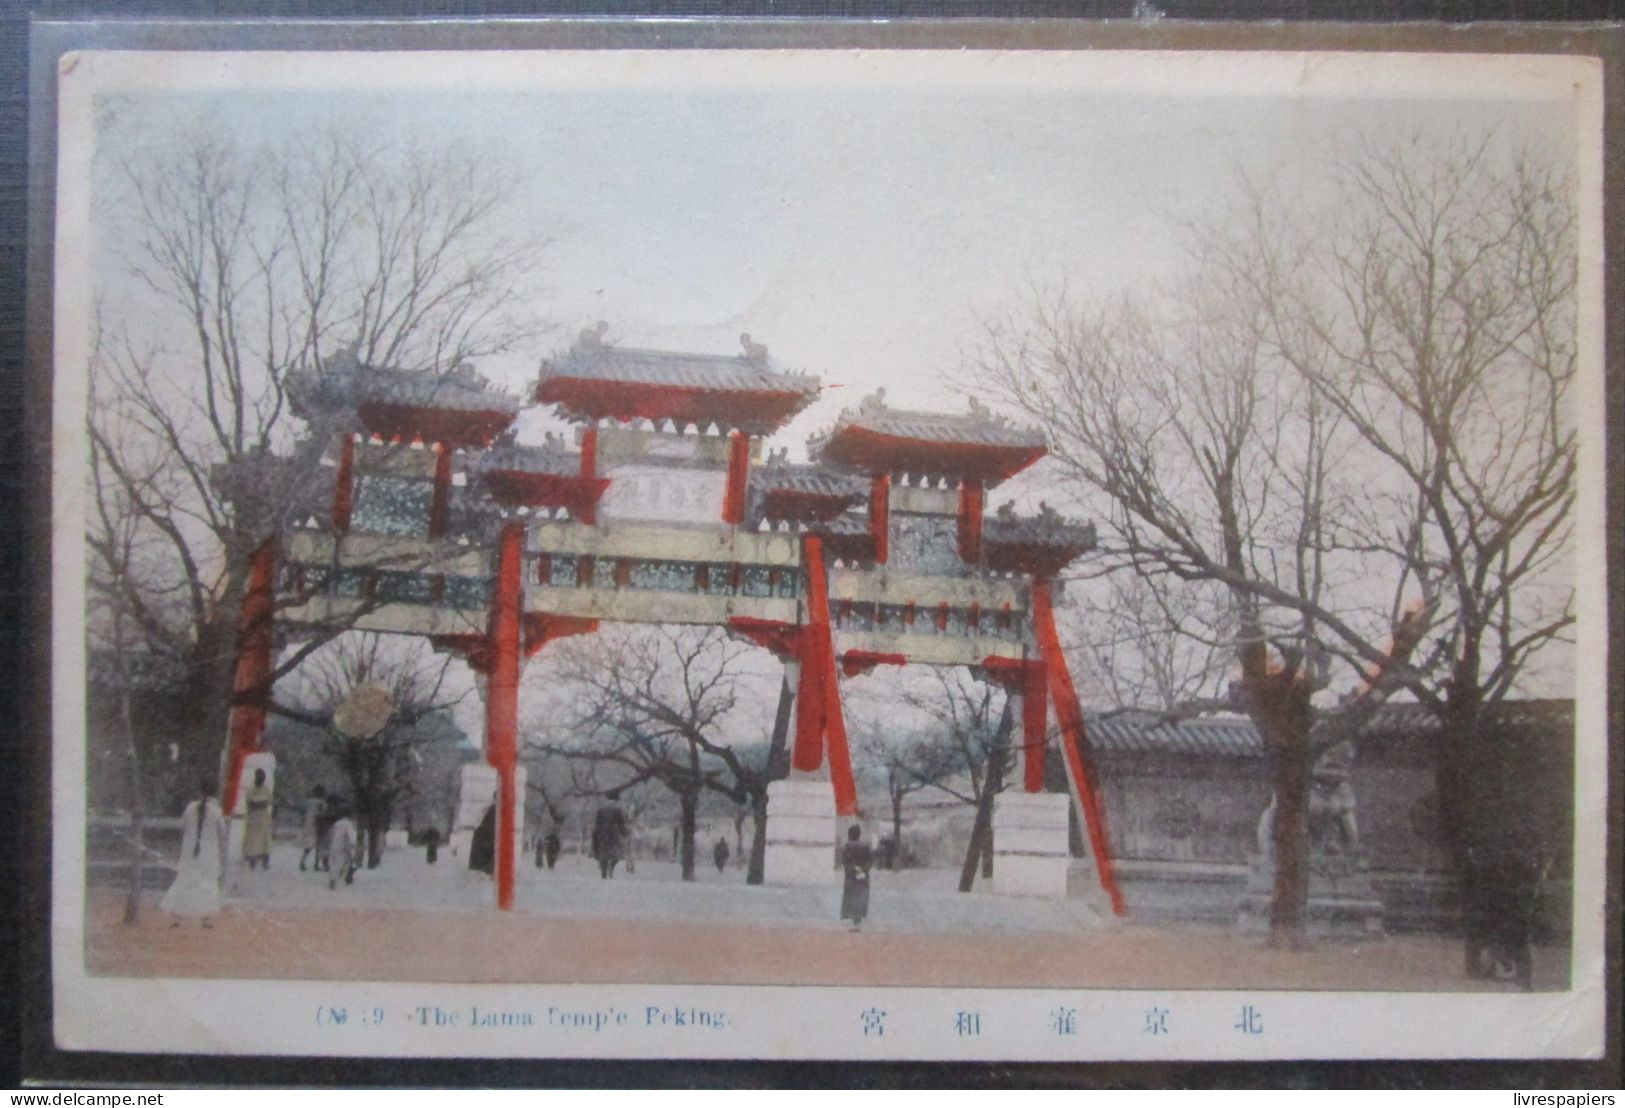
x: 343, y: 383
x: 978, y: 427
x: 711, y: 372
x: 1039, y: 530
x: 806, y: 479
x: 1141, y: 732
x: 1153, y: 733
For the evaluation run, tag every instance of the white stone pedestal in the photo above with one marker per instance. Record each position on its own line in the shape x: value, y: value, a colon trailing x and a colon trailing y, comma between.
x: 236, y: 826
x: 478, y: 792
x: 1030, y: 854
x: 800, y: 833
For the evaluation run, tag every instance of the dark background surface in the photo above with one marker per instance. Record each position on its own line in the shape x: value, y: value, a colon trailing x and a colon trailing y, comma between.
x: 26, y: 1053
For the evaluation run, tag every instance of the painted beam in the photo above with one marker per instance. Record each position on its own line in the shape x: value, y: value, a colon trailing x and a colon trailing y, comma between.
x: 650, y: 606
x: 870, y: 586
x: 928, y: 650
x: 666, y: 544
x: 389, y: 619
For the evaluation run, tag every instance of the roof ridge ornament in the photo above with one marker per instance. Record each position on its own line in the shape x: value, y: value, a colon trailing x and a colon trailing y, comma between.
x: 755, y: 352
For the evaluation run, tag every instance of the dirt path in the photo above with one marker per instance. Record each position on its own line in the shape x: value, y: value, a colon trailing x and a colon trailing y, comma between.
x: 402, y: 944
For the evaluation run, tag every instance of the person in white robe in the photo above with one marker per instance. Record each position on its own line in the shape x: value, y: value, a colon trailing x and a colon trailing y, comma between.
x: 341, y: 852
x: 195, y: 892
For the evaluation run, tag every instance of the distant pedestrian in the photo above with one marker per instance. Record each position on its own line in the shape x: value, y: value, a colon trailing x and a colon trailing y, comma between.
x: 341, y: 849
x: 431, y: 844
x: 311, y: 828
x: 196, y: 888
x: 609, y: 834
x: 719, y: 854
x: 257, y: 824
x: 857, y: 858
x: 482, y: 849
x: 551, y: 845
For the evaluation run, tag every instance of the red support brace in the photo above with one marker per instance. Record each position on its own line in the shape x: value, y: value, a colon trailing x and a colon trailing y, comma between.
x: 250, y: 690
x: 855, y: 663
x: 344, y: 484
x: 541, y: 628
x: 1074, y: 741
x: 880, y: 515
x: 440, y: 505
x: 733, y: 497
x: 970, y: 520
x: 502, y: 699
x: 820, y: 723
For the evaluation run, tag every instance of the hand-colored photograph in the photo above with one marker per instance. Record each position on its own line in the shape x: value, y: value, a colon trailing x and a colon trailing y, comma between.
x: 1096, y: 527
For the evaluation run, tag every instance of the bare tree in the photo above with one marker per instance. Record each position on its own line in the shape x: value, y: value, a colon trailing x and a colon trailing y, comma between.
x: 1439, y: 323
x: 906, y: 764
x: 241, y: 266
x: 1307, y: 421
x: 381, y: 768
x: 963, y: 749
x: 654, y: 703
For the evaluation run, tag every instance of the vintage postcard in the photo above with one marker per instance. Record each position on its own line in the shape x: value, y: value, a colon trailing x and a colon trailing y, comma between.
x: 868, y: 553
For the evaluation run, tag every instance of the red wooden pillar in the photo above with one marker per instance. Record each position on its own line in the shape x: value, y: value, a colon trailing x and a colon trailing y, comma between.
x: 250, y: 682
x: 344, y: 484
x: 880, y: 515
x: 1034, y: 725
x: 502, y: 700
x: 1074, y: 741
x: 970, y: 520
x: 733, y: 497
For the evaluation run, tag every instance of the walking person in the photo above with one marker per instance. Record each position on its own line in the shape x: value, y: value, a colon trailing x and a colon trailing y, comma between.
x: 341, y: 849
x: 257, y: 824
x: 310, y: 829
x: 195, y: 892
x: 552, y: 844
x: 608, y: 834
x: 719, y: 854
x: 431, y: 845
x: 857, y: 859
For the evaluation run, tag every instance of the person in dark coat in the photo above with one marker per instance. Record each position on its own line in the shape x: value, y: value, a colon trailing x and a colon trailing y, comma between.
x: 719, y: 854
x: 431, y: 844
x: 551, y: 846
x: 608, y: 834
x: 857, y: 859
x: 482, y: 851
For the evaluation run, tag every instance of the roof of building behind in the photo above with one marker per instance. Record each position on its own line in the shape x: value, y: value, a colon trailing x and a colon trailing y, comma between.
x: 1144, y: 732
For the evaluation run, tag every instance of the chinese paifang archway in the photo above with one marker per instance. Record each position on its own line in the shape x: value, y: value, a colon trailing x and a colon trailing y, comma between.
x: 432, y: 520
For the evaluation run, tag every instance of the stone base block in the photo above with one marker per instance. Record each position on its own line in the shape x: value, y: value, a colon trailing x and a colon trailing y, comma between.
x: 478, y: 791
x: 1030, y: 851
x: 1342, y: 902
x: 801, y: 827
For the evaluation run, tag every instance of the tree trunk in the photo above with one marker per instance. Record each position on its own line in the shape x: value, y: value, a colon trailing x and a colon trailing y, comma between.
x: 778, y: 748
x: 758, y: 839
x: 138, y: 806
x: 896, y: 830
x: 687, y: 803
x: 1289, y: 901
x: 981, y: 835
x: 1453, y: 786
